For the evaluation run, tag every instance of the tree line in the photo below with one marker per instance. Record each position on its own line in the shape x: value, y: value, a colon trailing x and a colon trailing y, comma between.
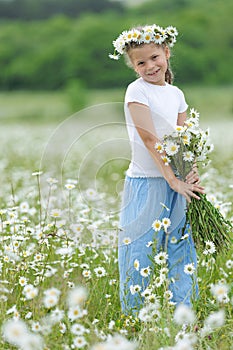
x: 42, y: 9
x: 48, y: 54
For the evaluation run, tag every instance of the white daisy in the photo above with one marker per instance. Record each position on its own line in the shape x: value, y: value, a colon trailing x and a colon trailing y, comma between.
x: 136, y: 34
x: 166, y: 160
x: 52, y: 291
x: 69, y: 186
x: 151, y: 299
x: 159, y: 38
x: 186, y: 138
x: 144, y: 316
x: 189, y: 269
x: 229, y: 264
x: 180, y: 129
x: 30, y: 291
x: 79, y: 342
x: 159, y: 147
x: 111, y: 325
x: 194, y: 114
x: 209, y: 248
x: 31, y: 294
x: 184, y: 315
x: 119, y: 45
x: 116, y: 341
x: 164, y: 271
x: 77, y: 296
x: 166, y: 222
x: 24, y: 207
x: 171, y: 148
x: 147, y: 37
x: 220, y: 291
x: 86, y: 274
x: 14, y: 331
x: 168, y: 294
x: 149, y: 244
x: 75, y: 312
x: 157, y: 224
x: 126, y: 240
x: 161, y: 258
x: 148, y: 29
x: 62, y: 328
x: 56, y: 213
x: 135, y: 288
x: 36, y: 327
x: 128, y: 35
x: 149, y: 313
x: 146, y: 293
x: 136, y: 264
x: 23, y: 281
x: 84, y: 266
x: 158, y: 281
x: 56, y: 315
x: 100, y: 271
x: 188, y: 156
x: 77, y: 228
x: 32, y: 341
x: 215, y: 320
x: 114, y: 56
x: 145, y: 271
x: 185, y: 236
x: 173, y: 240
x: 52, y: 181
x: 50, y: 301
x: 78, y: 329
x: 172, y: 30
x: 91, y: 194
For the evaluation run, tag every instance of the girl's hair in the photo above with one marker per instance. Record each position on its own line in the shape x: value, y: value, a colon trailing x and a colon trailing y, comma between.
x: 169, y: 76
x: 132, y: 45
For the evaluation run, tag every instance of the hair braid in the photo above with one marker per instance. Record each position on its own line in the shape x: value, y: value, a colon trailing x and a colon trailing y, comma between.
x: 168, y: 74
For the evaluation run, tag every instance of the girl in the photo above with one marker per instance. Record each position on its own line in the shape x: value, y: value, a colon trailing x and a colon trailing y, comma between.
x: 153, y: 108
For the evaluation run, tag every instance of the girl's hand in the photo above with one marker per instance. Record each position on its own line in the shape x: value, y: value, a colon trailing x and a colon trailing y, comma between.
x: 193, y: 176
x: 187, y: 190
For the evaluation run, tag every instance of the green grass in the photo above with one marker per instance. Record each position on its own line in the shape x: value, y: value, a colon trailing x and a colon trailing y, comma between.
x: 97, y: 157
x: 214, y: 103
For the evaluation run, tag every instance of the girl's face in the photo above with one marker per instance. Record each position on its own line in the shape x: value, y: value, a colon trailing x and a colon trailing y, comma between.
x: 150, y: 62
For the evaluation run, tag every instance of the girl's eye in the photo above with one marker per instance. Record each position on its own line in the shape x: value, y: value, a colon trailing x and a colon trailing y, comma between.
x: 140, y: 63
x: 154, y: 57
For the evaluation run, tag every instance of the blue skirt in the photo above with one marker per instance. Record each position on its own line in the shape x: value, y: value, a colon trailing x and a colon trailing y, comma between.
x: 144, y: 201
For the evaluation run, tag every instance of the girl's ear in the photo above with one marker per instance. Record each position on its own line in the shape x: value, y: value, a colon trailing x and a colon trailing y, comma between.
x: 167, y: 52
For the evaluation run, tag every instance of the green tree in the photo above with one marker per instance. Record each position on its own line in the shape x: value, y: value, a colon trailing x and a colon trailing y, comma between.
x: 42, y: 9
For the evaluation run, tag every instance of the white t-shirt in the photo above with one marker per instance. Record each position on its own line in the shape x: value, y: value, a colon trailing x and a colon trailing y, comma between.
x: 165, y: 102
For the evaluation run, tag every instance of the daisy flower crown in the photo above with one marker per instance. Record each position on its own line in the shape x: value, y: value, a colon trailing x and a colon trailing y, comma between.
x: 143, y: 35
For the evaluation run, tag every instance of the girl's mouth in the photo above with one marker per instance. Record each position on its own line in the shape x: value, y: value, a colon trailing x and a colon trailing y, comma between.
x: 154, y: 73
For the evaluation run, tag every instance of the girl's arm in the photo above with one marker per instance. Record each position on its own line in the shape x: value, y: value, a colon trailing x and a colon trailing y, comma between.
x: 181, y: 118
x: 142, y: 119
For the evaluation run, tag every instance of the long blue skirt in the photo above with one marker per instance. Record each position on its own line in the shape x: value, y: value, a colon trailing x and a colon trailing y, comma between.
x: 144, y: 201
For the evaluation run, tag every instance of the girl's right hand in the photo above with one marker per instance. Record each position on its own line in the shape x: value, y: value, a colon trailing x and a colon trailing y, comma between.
x: 187, y: 190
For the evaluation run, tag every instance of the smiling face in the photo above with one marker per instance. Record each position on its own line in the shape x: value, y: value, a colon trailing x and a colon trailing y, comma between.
x: 150, y: 62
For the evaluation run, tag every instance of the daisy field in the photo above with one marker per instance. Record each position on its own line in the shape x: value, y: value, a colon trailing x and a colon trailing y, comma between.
x: 60, y: 196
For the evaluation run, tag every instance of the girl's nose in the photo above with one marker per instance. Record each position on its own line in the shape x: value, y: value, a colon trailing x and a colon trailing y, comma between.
x: 150, y: 64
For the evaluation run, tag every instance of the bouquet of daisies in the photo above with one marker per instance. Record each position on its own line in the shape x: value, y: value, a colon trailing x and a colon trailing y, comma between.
x: 186, y: 146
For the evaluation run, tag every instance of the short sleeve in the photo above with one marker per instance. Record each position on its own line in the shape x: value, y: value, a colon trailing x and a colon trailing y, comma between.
x: 183, y: 105
x: 136, y: 92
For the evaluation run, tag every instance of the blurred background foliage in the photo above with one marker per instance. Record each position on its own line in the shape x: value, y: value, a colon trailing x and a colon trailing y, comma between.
x: 64, y: 44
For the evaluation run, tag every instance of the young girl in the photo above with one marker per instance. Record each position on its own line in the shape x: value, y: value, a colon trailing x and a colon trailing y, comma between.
x: 153, y: 108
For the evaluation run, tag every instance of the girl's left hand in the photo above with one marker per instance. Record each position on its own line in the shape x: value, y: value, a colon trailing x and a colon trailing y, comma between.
x: 193, y: 176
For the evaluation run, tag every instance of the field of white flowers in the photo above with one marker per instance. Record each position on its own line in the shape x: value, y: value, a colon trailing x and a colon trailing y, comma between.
x: 60, y: 196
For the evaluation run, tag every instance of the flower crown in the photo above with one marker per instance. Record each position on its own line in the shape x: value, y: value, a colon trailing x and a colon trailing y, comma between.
x: 144, y: 35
